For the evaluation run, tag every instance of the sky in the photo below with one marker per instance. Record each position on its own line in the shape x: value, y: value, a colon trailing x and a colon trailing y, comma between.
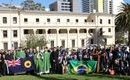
x: 43, y: 2
x: 18, y: 2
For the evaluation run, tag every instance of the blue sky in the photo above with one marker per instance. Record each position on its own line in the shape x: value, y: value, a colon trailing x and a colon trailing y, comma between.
x: 44, y: 2
x: 17, y: 2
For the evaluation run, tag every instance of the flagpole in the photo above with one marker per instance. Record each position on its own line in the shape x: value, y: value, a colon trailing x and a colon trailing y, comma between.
x: 10, y: 26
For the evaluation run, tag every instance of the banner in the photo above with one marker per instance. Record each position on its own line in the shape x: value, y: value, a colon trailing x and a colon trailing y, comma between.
x: 82, y: 67
x: 14, y: 66
x: 19, y: 66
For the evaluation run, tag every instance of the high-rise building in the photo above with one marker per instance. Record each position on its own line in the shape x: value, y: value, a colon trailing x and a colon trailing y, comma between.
x: 87, y: 6
x: 66, y: 6
x: 108, y: 6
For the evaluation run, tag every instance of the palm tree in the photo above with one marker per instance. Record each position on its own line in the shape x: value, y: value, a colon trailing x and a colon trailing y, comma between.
x: 123, y: 20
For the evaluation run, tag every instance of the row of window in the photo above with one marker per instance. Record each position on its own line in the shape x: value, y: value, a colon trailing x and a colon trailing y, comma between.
x: 72, y: 43
x: 5, y: 20
x: 5, y: 33
x: 49, y: 20
x: 5, y: 45
x: 109, y: 21
x: 50, y: 31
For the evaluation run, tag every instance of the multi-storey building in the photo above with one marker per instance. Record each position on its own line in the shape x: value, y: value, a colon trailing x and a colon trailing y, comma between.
x: 66, y: 6
x: 70, y: 30
x: 85, y: 6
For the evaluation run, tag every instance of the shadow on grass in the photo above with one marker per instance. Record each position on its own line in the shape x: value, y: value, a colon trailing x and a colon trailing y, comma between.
x: 54, y: 78
x: 109, y: 76
x: 89, y: 76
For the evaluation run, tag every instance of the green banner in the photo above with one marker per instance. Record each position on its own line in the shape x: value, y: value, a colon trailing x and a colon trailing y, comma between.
x: 82, y: 67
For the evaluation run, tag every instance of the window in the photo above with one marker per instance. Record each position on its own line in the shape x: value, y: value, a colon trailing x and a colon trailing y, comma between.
x: 5, y: 35
x: 48, y: 20
x: 101, y: 32
x: 91, y: 41
x: 5, y: 45
x: 82, y: 43
x: 105, y: 40
x: 91, y: 31
x: 26, y: 31
x: 63, y: 43
x: 58, y: 20
x: 68, y: 20
x: 100, y: 21
x: 14, y: 20
x: 109, y: 29
x: 4, y: 20
x: 37, y: 19
x: 77, y: 20
x: 73, y: 43
x: 52, y: 43
x: 25, y: 20
x: 15, y: 45
x: 15, y: 33
x: 109, y: 21
x: 85, y: 20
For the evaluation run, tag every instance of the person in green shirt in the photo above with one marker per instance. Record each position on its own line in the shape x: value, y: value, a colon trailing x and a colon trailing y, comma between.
x: 46, y: 61
x: 20, y: 54
x: 38, y: 60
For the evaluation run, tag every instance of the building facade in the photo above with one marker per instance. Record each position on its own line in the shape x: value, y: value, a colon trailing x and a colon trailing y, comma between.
x: 83, y: 6
x: 87, y: 6
x: 70, y: 30
x: 66, y: 6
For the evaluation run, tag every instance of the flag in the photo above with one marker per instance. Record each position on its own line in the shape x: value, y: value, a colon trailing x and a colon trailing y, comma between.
x: 13, y: 63
x: 14, y: 66
x: 28, y: 64
x: 82, y: 67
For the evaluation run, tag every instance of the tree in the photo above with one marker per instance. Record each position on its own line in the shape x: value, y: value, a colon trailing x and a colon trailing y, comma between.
x: 33, y: 41
x: 123, y: 20
x: 31, y: 5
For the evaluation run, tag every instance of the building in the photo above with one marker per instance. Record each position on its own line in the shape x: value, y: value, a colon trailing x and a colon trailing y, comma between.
x: 108, y: 6
x: 70, y: 30
x: 87, y: 6
x: 66, y: 6
x: 116, y: 6
x: 83, y: 6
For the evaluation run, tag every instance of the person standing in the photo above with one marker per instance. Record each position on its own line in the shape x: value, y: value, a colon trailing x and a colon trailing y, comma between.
x: 20, y: 54
x: 54, y: 60
x: 2, y: 64
x: 46, y: 61
x: 38, y: 60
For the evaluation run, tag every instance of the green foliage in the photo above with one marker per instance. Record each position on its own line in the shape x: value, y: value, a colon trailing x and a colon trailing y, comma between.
x: 122, y: 20
x: 120, y: 39
x: 31, y: 5
x: 33, y: 41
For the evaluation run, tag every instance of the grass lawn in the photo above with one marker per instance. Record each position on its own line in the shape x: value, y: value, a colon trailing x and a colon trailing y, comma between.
x: 65, y: 77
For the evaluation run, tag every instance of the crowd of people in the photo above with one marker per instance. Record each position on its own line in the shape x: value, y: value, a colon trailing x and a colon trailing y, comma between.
x: 56, y: 60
